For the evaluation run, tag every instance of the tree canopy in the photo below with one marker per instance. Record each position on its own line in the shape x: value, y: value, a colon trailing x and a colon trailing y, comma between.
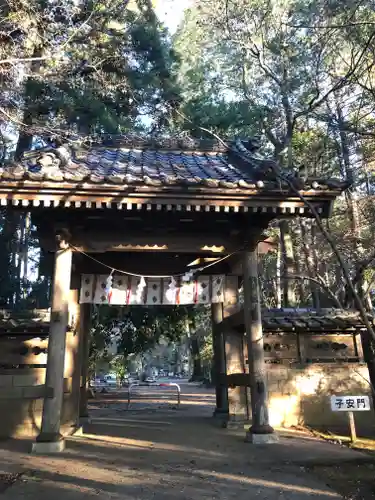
x: 90, y: 67
x: 299, y: 73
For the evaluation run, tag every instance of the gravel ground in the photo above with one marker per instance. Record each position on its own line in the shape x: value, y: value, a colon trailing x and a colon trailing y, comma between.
x: 157, y: 452
x: 353, y: 481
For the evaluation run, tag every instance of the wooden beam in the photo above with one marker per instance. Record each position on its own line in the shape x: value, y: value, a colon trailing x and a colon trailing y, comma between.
x: 156, y: 263
x: 85, y: 328
x: 201, y: 244
x: 183, y: 199
x: 71, y: 191
x: 264, y: 247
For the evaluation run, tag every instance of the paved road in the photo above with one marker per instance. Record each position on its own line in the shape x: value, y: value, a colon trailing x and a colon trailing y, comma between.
x: 144, y: 456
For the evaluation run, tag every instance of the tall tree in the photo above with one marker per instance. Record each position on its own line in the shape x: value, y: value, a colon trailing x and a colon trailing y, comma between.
x: 91, y: 67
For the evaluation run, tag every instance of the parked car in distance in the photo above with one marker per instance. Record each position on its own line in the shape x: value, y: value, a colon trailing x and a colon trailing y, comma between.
x: 99, y: 385
x: 103, y: 384
x: 111, y: 380
x: 130, y: 381
x: 150, y: 380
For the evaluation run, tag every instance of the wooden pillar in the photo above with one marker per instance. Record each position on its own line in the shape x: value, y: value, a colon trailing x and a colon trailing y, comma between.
x: 75, y: 348
x: 260, y: 430
x: 85, y: 326
x: 238, y: 400
x: 50, y: 438
x: 219, y: 360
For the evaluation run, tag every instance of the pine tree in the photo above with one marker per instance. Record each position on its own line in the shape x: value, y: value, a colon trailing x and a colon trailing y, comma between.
x: 90, y: 67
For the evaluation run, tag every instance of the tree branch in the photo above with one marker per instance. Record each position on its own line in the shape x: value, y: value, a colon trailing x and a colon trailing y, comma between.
x: 329, y: 239
x: 339, y: 85
x: 319, y: 283
x: 329, y: 26
x: 338, y: 255
x: 22, y: 59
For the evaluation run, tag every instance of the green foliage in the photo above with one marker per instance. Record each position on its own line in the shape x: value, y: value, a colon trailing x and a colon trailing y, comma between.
x: 102, y: 63
x: 91, y: 67
x: 8, y: 240
x: 272, y: 67
x: 301, y: 73
x: 118, y: 366
x: 206, y: 352
x: 138, y: 329
x: 101, y: 335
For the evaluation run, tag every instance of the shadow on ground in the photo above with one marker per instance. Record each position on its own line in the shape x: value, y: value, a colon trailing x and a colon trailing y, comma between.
x: 143, y: 456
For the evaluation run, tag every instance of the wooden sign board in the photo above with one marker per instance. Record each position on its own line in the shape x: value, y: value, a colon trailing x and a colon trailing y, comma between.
x: 350, y: 403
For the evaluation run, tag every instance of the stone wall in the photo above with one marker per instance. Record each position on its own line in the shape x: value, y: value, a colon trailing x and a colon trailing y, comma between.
x: 299, y: 393
x: 21, y: 402
x: 22, y: 389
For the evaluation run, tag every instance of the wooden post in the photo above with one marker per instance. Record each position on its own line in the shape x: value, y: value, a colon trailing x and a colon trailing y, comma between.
x: 85, y: 326
x: 75, y: 346
x: 353, y: 432
x: 222, y: 407
x: 50, y: 438
x: 235, y: 361
x: 260, y: 430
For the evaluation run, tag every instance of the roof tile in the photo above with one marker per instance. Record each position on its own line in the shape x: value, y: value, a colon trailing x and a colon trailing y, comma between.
x: 159, y: 165
x: 311, y: 320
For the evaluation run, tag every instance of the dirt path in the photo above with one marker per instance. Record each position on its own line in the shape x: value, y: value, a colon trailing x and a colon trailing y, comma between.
x: 157, y: 452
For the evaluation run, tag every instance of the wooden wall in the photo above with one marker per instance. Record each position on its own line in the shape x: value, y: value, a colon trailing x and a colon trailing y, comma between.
x: 23, y: 362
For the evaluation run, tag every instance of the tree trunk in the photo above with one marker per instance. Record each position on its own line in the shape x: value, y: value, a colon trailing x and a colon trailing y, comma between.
x: 278, y: 274
x: 25, y: 252
x: 25, y: 137
x: 9, y: 239
x: 309, y: 263
x: 352, y: 203
x: 197, y: 363
x: 298, y: 267
x: 289, y: 297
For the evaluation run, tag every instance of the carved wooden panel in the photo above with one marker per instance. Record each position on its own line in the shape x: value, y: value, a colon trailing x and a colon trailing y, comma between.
x: 278, y: 347
x: 328, y: 347
x: 23, y: 352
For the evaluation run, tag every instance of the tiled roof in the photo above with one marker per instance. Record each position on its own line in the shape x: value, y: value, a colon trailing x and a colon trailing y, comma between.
x: 273, y: 320
x: 163, y: 163
x: 35, y: 321
x: 325, y: 319
x: 305, y: 320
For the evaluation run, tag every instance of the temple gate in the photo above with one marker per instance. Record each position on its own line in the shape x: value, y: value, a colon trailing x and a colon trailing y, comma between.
x: 145, y: 210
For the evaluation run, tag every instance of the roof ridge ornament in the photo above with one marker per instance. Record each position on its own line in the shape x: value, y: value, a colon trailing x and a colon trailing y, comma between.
x: 265, y: 169
x: 261, y: 168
